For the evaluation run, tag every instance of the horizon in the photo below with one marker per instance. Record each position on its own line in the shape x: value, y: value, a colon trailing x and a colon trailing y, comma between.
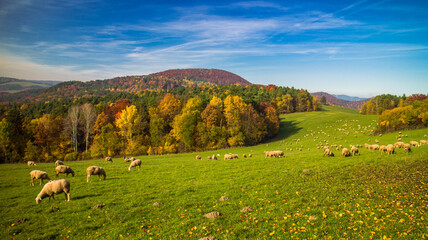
x: 356, y: 48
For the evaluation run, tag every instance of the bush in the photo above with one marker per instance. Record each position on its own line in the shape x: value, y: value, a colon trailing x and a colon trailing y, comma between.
x: 71, y: 156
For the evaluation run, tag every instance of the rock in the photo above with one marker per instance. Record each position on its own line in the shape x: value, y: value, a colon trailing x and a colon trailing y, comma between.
x: 305, y: 170
x: 157, y: 203
x: 53, y: 209
x: 313, y: 217
x: 212, y: 214
x: 208, y: 238
x: 247, y: 209
x: 20, y: 220
x: 98, y: 206
x: 224, y: 198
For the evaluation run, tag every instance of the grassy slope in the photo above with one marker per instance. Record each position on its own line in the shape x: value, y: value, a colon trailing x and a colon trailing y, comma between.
x: 371, y: 195
x: 20, y: 85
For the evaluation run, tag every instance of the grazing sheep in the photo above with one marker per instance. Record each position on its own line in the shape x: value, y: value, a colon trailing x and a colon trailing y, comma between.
x: 31, y: 163
x: 399, y: 145
x: 37, y: 174
x: 423, y: 142
x: 374, y: 147
x: 227, y: 156
x: 129, y: 159
x: 346, y: 152
x: 136, y: 162
x: 214, y: 157
x: 94, y: 170
x: 414, y: 144
x: 54, y: 187
x: 407, y: 147
x: 382, y: 148
x: 390, y: 149
x: 109, y: 159
x: 377, y: 141
x: 198, y: 157
x: 250, y: 155
x: 235, y: 156
x: 355, y: 151
x: 328, y: 152
x: 64, y: 169
x: 59, y: 162
x: 244, y: 156
x: 209, y: 157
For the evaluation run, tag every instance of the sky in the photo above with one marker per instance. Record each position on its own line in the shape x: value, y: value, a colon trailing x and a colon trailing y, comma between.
x: 355, y: 47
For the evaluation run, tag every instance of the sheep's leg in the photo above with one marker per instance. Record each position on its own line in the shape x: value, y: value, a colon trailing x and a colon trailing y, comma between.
x: 87, y: 178
x: 32, y: 184
x: 41, y: 180
x: 67, y: 197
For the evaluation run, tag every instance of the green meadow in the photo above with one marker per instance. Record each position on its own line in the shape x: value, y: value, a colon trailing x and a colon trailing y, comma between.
x: 302, y: 195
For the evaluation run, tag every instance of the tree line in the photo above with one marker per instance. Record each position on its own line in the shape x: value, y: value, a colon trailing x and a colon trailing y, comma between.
x: 183, y: 119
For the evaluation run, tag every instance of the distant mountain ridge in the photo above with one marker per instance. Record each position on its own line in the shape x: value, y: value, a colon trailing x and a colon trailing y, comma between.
x: 12, y: 85
x: 332, y: 100
x: 349, y: 98
x: 165, y: 80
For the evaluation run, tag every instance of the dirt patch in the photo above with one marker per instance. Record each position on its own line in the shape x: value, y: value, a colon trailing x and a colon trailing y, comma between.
x: 224, y: 198
x: 213, y: 214
x: 157, y: 203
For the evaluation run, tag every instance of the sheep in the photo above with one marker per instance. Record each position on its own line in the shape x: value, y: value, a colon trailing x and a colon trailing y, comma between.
x: 328, y: 152
x: 108, y: 159
x: 54, y: 187
x: 136, y: 162
x: 59, y: 162
x: 64, y: 169
x: 407, y: 147
x: 244, y: 156
x: 214, y: 157
x: 31, y: 163
x: 346, y: 152
x: 382, y: 148
x: 414, y: 144
x: 227, y: 156
x: 250, y: 155
x: 129, y: 159
x: 94, y: 170
x: 390, y: 149
x: 355, y: 151
x: 374, y: 147
x: 198, y: 157
x: 37, y: 174
x: 235, y: 156
x: 423, y: 142
x: 399, y: 145
x: 209, y: 157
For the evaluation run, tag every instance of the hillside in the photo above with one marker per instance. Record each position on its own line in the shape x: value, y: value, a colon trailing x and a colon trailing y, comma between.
x: 166, y: 80
x: 300, y: 196
x: 349, y: 98
x: 13, y: 85
x: 332, y: 100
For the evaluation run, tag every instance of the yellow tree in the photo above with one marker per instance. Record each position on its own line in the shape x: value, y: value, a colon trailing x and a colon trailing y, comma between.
x: 128, y: 122
x: 234, y: 107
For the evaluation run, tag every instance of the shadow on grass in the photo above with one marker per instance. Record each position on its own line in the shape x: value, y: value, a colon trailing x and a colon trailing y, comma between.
x: 287, y: 128
x: 86, y: 196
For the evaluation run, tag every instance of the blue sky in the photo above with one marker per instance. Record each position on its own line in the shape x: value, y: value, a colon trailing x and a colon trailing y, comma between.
x: 356, y: 47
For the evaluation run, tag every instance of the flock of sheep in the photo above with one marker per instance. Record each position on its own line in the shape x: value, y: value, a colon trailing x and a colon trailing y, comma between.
x: 62, y: 185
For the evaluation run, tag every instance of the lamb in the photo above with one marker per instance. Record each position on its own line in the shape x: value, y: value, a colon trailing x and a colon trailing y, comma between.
x: 64, y: 169
x: 108, y: 159
x: 407, y: 147
x: 414, y: 144
x: 37, y: 174
x: 328, y: 152
x: 136, y: 162
x: 54, y: 187
x: 390, y: 149
x: 198, y: 157
x: 94, y: 170
x: 346, y: 152
x: 59, y: 162
x: 355, y: 151
x: 31, y: 163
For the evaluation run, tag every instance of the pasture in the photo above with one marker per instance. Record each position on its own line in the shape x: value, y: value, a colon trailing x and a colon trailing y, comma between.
x: 300, y: 196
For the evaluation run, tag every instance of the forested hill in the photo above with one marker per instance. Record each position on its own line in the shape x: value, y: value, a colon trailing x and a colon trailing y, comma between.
x: 332, y: 100
x: 166, y: 80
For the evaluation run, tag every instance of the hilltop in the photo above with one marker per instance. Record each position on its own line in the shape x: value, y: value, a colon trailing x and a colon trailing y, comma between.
x: 332, y: 100
x: 13, y: 85
x: 165, y: 80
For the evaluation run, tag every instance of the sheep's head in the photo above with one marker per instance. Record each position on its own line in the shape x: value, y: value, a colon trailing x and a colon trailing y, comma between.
x: 38, y: 200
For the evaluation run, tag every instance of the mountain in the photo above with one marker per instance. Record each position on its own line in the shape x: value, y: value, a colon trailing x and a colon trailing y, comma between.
x: 349, y: 98
x: 166, y: 80
x: 13, y: 85
x: 332, y: 100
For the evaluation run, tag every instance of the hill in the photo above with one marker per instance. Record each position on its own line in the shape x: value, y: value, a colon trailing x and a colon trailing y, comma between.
x: 166, y: 80
x: 349, y: 98
x: 332, y: 100
x: 300, y: 196
x: 13, y: 85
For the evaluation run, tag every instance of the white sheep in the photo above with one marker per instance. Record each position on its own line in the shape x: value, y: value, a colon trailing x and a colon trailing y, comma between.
x: 214, y: 157
x: 136, y: 162
x: 355, y: 151
x: 198, y: 157
x: 94, y: 170
x: 390, y: 149
x: 37, y: 174
x: 54, y: 187
x: 64, y: 169
x: 31, y: 163
x: 129, y: 159
x: 59, y: 162
x: 346, y: 152
x: 108, y: 159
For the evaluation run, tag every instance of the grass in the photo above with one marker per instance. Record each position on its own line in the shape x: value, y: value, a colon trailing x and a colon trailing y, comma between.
x: 301, y: 196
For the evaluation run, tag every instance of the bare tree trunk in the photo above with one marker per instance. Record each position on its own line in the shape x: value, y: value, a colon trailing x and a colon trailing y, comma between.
x: 88, y: 117
x: 71, y: 125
